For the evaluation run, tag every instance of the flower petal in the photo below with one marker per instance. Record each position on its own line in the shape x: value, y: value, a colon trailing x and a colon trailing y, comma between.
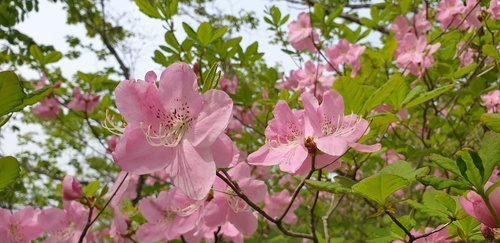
x: 135, y: 155
x: 224, y: 151
x: 245, y: 222
x: 137, y: 102
x: 212, y: 119
x: 193, y: 170
x: 332, y: 145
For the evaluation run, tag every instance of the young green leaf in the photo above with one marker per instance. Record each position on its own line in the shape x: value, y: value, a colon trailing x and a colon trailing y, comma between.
x: 380, y: 186
x: 11, y: 91
x: 9, y: 171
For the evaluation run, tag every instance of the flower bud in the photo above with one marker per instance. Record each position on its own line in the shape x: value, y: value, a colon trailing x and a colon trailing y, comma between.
x: 72, y: 189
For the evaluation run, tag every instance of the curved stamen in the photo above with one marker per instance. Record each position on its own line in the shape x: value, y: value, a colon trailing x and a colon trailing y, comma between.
x: 112, y: 127
x: 236, y: 203
x: 186, y: 211
x: 168, y: 136
x: 342, y: 128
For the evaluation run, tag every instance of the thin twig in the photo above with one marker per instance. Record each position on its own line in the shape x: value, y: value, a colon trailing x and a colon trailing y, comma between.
x: 89, y: 223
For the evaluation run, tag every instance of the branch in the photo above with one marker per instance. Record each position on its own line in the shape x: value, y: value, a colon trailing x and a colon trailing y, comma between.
x: 106, y: 42
x: 89, y: 223
x: 234, y: 185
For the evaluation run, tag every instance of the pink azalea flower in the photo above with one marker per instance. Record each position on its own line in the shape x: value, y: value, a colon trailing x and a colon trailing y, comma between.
x: 448, y: 13
x: 85, y: 102
x: 112, y: 142
x: 229, y: 85
x: 311, y: 79
x: 466, y: 57
x: 19, y: 227
x: 472, y: 10
x: 421, y: 23
x: 291, y: 83
x: 71, y: 188
x: 438, y: 237
x: 64, y: 225
x: 300, y: 28
x: 284, y: 141
x: 227, y: 206
x: 413, y: 51
x: 494, y: 10
x: 492, y: 101
x: 119, y: 226
x: 302, y: 34
x: 345, y: 53
x: 169, y: 216
x: 391, y: 156
x: 41, y: 83
x: 329, y: 130
x: 277, y: 203
x: 400, y: 27
x: 47, y: 109
x: 174, y: 128
x: 475, y: 206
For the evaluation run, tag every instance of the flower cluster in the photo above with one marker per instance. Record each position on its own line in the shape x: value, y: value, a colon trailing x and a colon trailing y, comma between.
x: 320, y: 131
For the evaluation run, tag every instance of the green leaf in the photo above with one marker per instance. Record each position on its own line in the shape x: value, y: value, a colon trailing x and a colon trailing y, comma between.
x: 465, y: 70
x: 148, y: 9
x: 405, y: 6
x: 52, y: 57
x: 9, y: 171
x: 329, y: 187
x: 36, y: 53
x: 491, y: 51
x: 189, y: 31
x: 353, y: 93
x: 319, y: 12
x: 399, y: 168
x: 5, y: 120
x: 103, y: 192
x: 440, y: 183
x: 344, y: 181
x: 339, y: 9
x: 490, y: 153
x: 172, y: 41
x: 492, y: 121
x: 380, y: 186
x: 429, y: 95
x: 399, y: 95
x: 173, y: 8
x: 381, y: 94
x: 91, y: 188
x: 11, y: 92
x: 218, y: 34
x: 446, y: 163
x: 211, y: 78
x: 205, y: 33
x: 448, y: 202
x: 471, y: 167
x: 442, y: 217
x: 382, y: 119
x: 34, y: 97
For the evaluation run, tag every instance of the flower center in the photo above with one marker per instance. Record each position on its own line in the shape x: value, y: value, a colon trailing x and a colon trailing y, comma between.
x: 65, y: 234
x: 287, y: 141
x: 171, y: 129
x: 14, y: 234
x: 342, y: 128
x: 235, y: 202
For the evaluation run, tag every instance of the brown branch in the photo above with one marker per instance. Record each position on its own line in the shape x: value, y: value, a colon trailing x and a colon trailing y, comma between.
x: 106, y: 42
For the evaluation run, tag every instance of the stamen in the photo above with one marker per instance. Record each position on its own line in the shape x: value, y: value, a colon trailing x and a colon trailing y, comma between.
x: 112, y: 127
x: 168, y: 136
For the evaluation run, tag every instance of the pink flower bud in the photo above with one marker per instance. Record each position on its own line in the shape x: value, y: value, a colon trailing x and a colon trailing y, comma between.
x: 72, y: 189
